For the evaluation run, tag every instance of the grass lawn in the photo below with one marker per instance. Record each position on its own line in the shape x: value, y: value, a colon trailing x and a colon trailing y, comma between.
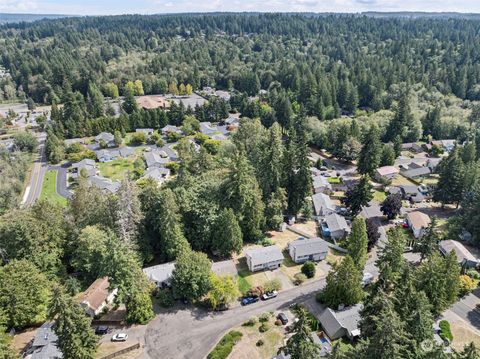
x: 225, y: 346
x: 334, y: 180
x: 243, y: 285
x: 379, y: 196
x: 116, y: 170
x: 49, y: 189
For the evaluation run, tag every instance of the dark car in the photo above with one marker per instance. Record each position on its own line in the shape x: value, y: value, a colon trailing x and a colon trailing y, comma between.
x: 249, y: 300
x: 101, y: 330
x: 283, y: 318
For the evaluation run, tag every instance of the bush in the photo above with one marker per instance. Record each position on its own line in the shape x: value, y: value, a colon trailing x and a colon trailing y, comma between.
x: 265, y: 317
x: 272, y: 285
x: 265, y: 242
x: 165, y: 298
x: 259, y: 343
x: 467, y: 284
x: 445, y: 332
x: 250, y: 323
x: 138, y: 138
x: 225, y: 346
x: 299, y: 278
x: 264, y: 327
x: 25, y: 142
x: 472, y: 273
x: 309, y: 269
x: 278, y: 323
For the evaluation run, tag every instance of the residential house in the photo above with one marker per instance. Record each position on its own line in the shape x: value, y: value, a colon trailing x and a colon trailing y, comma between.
x: 309, y: 249
x: 418, y: 222
x: 148, y: 132
x: 170, y: 129
x: 98, y: 296
x: 207, y: 128
x: 464, y: 257
x: 155, y: 159
x: 432, y: 163
x: 447, y: 145
x: 106, y: 137
x: 371, y: 211
x: 105, y: 184
x: 321, y: 184
x: 418, y: 172
x: 126, y: 152
x: 86, y: 167
x: 270, y: 257
x: 70, y: 141
x: 44, y: 345
x: 412, y: 147
x: 224, y: 95
x: 323, y: 204
x: 341, y: 323
x: 160, y: 274
x: 107, y: 155
x: 386, y: 173
x: 411, y: 193
x: 335, y: 226
x: 159, y: 174
x: 226, y: 267
x: 219, y: 137
x: 315, y: 171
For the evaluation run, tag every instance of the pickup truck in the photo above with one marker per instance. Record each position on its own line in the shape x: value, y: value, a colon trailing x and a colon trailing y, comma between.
x: 249, y: 300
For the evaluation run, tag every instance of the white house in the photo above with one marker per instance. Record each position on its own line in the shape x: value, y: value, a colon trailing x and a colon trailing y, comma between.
x: 386, y: 173
x: 270, y: 257
x: 323, y: 204
x: 418, y: 222
x: 98, y: 296
x: 321, y: 184
x: 335, y: 226
x: 341, y: 323
x: 310, y: 249
x: 464, y: 257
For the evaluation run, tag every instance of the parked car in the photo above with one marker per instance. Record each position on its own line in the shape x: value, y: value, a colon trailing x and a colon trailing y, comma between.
x: 283, y: 318
x: 326, y: 174
x: 269, y: 295
x: 323, y: 168
x: 120, y: 337
x: 101, y: 330
x: 249, y: 300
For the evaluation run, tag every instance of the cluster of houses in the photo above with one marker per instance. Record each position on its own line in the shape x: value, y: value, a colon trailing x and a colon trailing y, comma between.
x: 221, y: 94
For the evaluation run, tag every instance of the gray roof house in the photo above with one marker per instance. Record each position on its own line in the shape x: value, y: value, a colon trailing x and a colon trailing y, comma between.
x: 87, y: 166
x: 170, y: 129
x: 154, y: 159
x: 107, y: 155
x: 270, y: 257
x: 44, y: 345
x: 464, y: 257
x: 338, y: 324
x: 107, y: 137
x: 335, y: 226
x: 416, y: 172
x: 126, y: 151
x: 309, y: 249
x: 323, y: 204
x: 207, y: 128
x: 321, y: 184
x: 146, y: 131
x: 158, y: 174
x: 160, y: 274
x: 105, y: 184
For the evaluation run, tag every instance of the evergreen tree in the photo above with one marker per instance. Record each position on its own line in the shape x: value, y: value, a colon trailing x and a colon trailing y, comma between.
x: 372, y: 232
x: 76, y: 339
x: 95, y: 101
x: 129, y: 103
x: 275, y: 208
x: 358, y: 196
x: 128, y: 213
x: 270, y: 170
x: 401, y: 121
x: 428, y: 243
x: 227, y: 235
x: 139, y: 307
x: 343, y: 285
x: 243, y: 195
x: 388, y: 155
x: 300, y: 345
x: 357, y: 243
x: 390, y: 261
x: 449, y: 188
x: 371, y: 152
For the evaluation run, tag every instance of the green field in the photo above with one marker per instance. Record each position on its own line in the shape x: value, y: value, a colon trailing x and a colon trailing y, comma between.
x: 49, y: 189
x: 116, y: 170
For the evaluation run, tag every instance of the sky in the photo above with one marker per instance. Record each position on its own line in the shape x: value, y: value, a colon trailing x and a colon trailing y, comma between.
x: 115, y: 7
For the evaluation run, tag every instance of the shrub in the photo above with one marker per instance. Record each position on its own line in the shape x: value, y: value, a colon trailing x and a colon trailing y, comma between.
x: 272, y: 285
x: 278, y: 323
x: 309, y: 269
x: 265, y: 317
x: 467, y: 284
x: 445, y: 332
x: 472, y: 273
x: 264, y: 327
x: 225, y: 346
x: 265, y: 242
x: 259, y: 343
x: 165, y: 298
x: 250, y: 323
x: 299, y: 278
x: 138, y: 138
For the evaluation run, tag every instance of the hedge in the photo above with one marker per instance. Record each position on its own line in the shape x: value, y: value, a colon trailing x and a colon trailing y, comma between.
x: 225, y: 346
x: 445, y: 332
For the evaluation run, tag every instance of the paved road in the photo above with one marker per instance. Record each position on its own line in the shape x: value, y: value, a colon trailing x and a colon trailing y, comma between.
x: 466, y: 308
x: 34, y: 188
x: 192, y: 332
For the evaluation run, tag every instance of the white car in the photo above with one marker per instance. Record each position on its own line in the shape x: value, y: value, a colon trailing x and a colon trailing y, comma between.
x: 120, y: 337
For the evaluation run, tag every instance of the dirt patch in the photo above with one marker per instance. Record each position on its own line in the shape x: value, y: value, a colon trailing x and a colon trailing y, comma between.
x: 246, y: 348
x: 107, y: 347
x: 309, y: 227
x: 21, y: 340
x: 281, y: 239
x: 463, y: 335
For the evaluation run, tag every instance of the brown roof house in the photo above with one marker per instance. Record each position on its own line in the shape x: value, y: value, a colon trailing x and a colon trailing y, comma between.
x: 97, y: 297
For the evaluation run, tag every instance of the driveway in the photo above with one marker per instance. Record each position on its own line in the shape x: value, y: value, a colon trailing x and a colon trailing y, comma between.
x: 62, y: 184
